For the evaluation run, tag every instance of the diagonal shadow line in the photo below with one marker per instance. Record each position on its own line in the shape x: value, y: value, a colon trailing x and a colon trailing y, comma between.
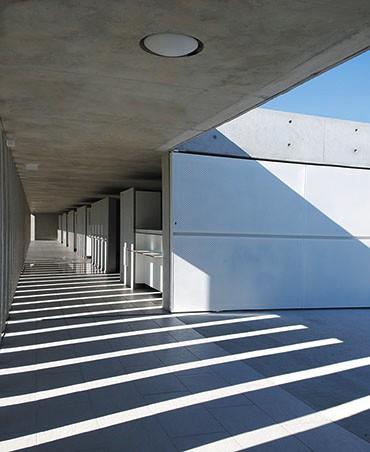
x: 91, y: 286
x: 149, y: 410
x: 291, y: 427
x: 57, y: 278
x: 165, y: 370
x: 92, y: 297
x: 102, y: 337
x: 17, y: 297
x: 73, y: 276
x: 143, y: 318
x: 222, y: 144
x: 124, y: 298
x: 67, y: 285
x: 84, y: 314
x: 146, y: 349
x: 123, y: 301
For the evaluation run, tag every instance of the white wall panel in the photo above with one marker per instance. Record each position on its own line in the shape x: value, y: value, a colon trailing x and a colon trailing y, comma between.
x: 248, y: 234
x: 336, y: 273
x: 341, y: 197
x: 223, y: 195
x: 221, y: 273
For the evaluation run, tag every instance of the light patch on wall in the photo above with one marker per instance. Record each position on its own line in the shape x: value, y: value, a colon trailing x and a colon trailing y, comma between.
x: 10, y: 143
x: 200, y: 280
x: 32, y: 166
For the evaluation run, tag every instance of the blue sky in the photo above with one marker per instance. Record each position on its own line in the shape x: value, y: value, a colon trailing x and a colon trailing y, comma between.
x: 342, y: 92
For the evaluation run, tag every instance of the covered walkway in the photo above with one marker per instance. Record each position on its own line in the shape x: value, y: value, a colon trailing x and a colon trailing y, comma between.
x: 90, y: 365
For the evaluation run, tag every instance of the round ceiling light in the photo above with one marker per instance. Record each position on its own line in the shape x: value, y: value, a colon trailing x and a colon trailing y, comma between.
x: 171, y: 45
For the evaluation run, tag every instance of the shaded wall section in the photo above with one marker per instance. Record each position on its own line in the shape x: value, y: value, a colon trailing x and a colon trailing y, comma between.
x: 71, y: 226
x: 105, y: 234
x: 14, y: 230
x: 46, y: 226
x: 65, y: 229
x: 81, y: 231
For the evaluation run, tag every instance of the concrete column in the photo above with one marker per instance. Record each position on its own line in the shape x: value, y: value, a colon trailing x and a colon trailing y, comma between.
x: 71, y: 220
x: 82, y: 239
x: 65, y: 229
x: 60, y: 231
x: 105, y: 230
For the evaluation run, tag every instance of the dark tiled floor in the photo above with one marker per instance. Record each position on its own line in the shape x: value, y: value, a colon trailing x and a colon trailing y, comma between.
x: 87, y: 365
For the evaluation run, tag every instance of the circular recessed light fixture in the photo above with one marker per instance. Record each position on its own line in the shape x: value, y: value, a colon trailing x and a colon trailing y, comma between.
x: 171, y: 45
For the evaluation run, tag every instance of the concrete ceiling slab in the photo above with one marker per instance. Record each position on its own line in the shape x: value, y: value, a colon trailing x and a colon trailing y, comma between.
x: 94, y: 111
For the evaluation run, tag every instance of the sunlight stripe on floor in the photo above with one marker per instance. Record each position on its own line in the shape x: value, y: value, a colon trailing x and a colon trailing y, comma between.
x: 143, y: 318
x: 85, y: 305
x: 25, y: 287
x: 84, y: 314
x: 146, y: 349
x: 291, y: 427
x: 102, y: 337
x: 165, y: 370
x: 17, y: 297
x: 332, y: 414
x: 91, y: 286
x: 90, y: 297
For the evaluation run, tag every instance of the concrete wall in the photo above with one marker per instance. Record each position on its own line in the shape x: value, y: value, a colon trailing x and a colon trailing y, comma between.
x: 105, y: 234
x: 60, y: 229
x: 71, y: 219
x: 14, y: 230
x: 148, y: 209
x: 139, y: 209
x: 247, y: 234
x: 276, y: 135
x: 65, y: 229
x: 46, y: 226
x: 89, y: 236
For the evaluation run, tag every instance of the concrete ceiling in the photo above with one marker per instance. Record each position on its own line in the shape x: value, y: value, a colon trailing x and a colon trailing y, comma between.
x: 95, y: 112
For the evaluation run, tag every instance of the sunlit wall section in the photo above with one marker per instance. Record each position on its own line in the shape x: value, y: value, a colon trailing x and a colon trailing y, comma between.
x: 291, y: 137
x: 65, y: 229
x: 60, y: 230
x: 14, y: 229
